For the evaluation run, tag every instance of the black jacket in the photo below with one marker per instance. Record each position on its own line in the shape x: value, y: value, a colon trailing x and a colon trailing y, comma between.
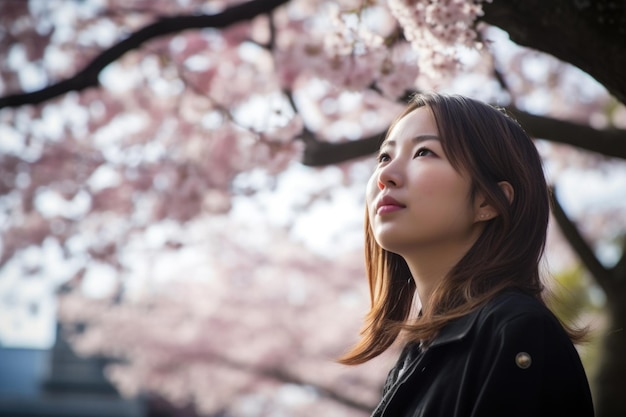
x: 509, y: 358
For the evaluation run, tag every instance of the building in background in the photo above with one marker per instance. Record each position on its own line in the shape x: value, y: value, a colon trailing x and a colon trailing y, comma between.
x: 57, y: 383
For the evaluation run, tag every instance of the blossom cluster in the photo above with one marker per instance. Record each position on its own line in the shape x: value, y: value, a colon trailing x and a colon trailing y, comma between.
x: 356, y: 47
x: 436, y: 28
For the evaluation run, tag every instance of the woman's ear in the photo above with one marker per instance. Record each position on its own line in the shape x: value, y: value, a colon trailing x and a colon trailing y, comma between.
x: 508, y: 191
x: 486, y: 211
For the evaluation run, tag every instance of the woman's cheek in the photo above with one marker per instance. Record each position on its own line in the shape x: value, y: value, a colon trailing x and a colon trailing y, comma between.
x: 371, y: 190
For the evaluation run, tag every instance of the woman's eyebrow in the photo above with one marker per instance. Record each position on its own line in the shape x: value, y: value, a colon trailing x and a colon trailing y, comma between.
x: 416, y: 139
x: 422, y: 138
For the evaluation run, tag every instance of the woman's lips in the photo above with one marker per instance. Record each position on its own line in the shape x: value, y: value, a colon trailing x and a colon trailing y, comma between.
x: 386, y: 209
x: 388, y: 205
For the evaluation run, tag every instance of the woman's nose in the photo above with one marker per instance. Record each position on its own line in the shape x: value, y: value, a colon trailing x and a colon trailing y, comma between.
x: 389, y: 177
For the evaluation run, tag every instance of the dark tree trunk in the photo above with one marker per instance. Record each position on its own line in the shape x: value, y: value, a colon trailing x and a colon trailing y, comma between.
x: 609, y: 383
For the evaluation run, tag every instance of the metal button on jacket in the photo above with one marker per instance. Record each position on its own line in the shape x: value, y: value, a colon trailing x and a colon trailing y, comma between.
x: 523, y: 360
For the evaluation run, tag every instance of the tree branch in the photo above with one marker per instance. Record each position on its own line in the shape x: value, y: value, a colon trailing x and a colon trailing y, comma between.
x: 602, y: 275
x: 277, y: 374
x: 88, y: 77
x: 320, y: 153
x: 332, y: 394
x: 619, y: 269
x: 609, y: 142
x: 579, y: 32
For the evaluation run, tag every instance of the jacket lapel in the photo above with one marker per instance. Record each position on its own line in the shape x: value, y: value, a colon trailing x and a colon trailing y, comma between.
x: 457, y: 330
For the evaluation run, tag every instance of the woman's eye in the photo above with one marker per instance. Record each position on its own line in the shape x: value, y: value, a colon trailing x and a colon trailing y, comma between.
x: 383, y: 157
x: 423, y: 152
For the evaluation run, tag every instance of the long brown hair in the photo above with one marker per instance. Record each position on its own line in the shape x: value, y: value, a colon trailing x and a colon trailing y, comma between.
x: 490, y: 147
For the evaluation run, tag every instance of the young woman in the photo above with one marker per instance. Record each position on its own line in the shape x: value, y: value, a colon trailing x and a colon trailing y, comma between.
x: 456, y: 219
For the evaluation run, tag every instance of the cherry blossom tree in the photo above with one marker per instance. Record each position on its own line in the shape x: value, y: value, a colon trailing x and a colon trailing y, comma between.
x: 153, y: 147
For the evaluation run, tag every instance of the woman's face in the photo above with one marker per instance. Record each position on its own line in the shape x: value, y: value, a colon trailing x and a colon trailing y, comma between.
x: 416, y: 200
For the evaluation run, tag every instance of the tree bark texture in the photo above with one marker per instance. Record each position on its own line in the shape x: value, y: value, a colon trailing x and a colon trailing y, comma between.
x: 590, y: 34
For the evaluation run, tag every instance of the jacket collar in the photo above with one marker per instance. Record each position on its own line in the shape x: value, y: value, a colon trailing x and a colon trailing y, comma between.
x: 457, y: 330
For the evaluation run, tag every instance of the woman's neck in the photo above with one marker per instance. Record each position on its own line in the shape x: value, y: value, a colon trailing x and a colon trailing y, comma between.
x: 429, y: 267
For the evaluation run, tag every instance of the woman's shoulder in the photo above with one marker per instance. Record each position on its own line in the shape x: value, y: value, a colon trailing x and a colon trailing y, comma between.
x: 513, y: 305
x: 510, y: 312
x: 514, y: 301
